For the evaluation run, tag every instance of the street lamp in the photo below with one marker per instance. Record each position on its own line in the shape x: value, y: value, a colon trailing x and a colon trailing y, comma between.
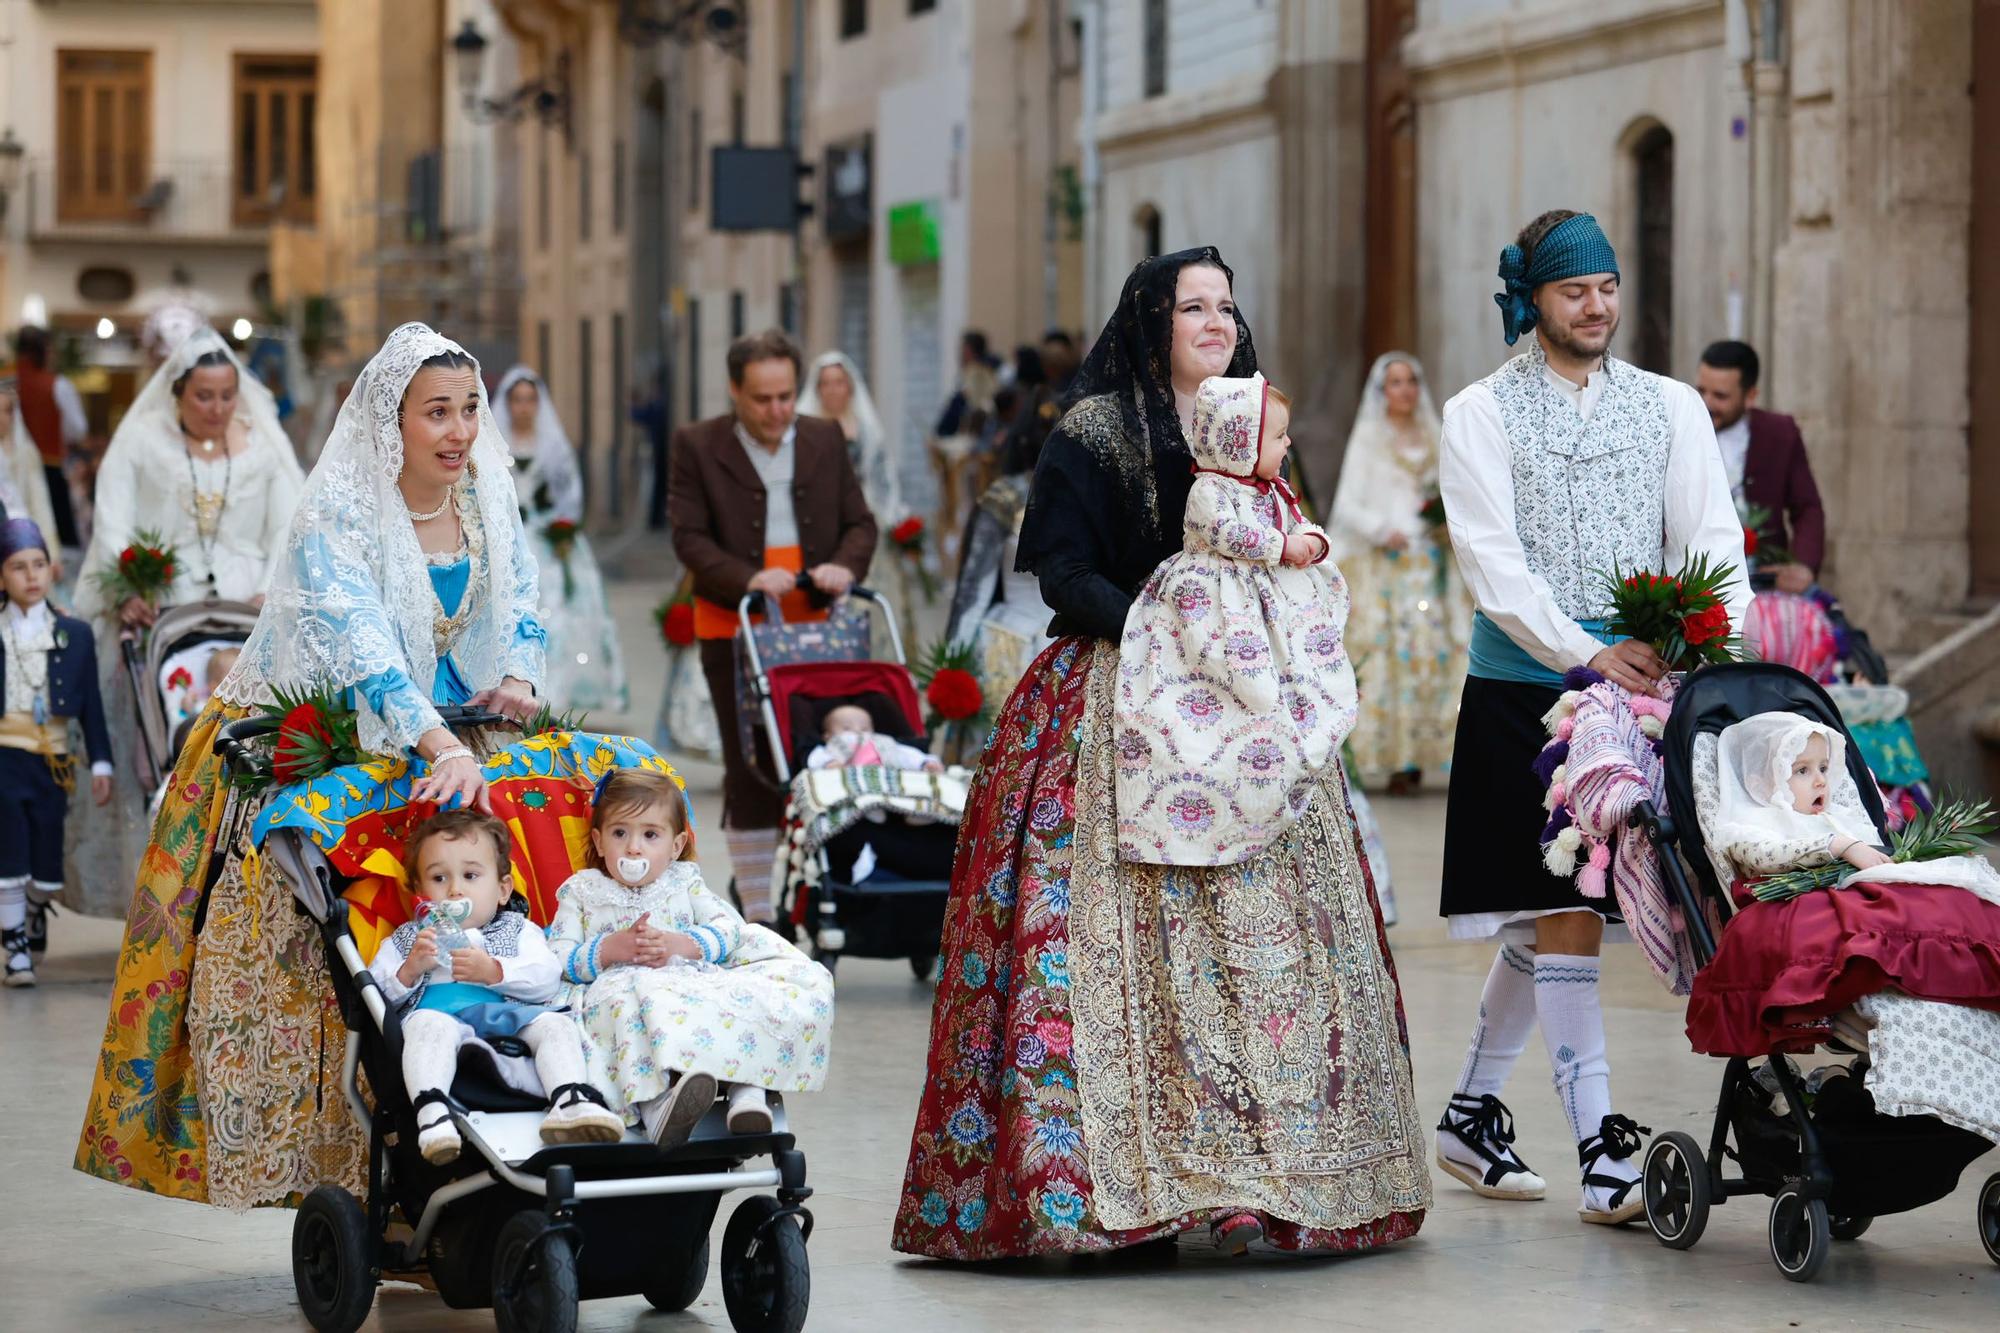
x: 11, y: 153
x: 547, y: 99
x: 683, y: 22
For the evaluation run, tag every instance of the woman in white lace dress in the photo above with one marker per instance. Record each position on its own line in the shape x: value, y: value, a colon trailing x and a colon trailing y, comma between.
x: 1410, y: 619
x: 586, y: 668
x: 200, y: 461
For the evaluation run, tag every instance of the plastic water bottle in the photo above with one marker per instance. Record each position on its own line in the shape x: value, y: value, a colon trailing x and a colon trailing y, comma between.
x: 447, y: 917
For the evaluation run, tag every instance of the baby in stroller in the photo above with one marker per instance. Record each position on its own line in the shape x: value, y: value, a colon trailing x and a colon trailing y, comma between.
x: 675, y: 992
x: 848, y: 739
x: 472, y: 966
x: 1782, y: 799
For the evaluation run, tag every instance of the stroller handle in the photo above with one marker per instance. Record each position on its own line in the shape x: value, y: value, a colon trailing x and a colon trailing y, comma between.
x: 756, y: 603
x: 232, y: 742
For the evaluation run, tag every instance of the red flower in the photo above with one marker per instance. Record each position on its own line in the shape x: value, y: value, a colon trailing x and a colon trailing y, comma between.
x: 180, y: 679
x: 1749, y: 541
x: 128, y: 556
x: 303, y: 723
x: 908, y: 532
x: 678, y: 624
x: 955, y: 695
x: 1709, y: 623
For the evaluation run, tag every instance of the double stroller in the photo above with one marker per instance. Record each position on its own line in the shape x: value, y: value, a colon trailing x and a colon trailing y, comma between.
x: 524, y: 1227
x: 863, y: 868
x: 1829, y: 1161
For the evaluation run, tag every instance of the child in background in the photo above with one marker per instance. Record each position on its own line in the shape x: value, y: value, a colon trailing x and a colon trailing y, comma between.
x: 1234, y: 688
x: 493, y: 984
x: 675, y: 991
x: 848, y: 739
x: 49, y: 665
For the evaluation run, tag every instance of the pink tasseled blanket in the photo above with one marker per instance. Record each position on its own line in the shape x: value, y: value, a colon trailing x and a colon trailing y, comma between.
x: 1602, y: 761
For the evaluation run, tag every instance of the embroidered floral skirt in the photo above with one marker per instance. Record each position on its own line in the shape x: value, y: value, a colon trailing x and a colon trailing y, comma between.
x: 1407, y: 627
x: 1122, y: 1053
x: 219, y: 1079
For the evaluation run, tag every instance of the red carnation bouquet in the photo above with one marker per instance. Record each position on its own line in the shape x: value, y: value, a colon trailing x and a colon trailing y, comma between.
x: 1681, y: 615
x: 317, y: 732
x: 953, y: 695
x: 675, y: 617
x: 146, y: 569
x: 910, y: 537
x: 561, y: 537
x: 180, y: 678
x: 1756, y: 519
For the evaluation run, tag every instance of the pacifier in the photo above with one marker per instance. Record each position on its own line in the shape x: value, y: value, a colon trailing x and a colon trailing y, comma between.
x: 455, y: 910
x: 634, y: 869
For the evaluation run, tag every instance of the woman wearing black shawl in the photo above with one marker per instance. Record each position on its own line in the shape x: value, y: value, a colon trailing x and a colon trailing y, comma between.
x: 1123, y: 1052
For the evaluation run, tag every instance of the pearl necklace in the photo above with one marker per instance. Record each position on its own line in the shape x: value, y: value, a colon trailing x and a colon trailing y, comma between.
x: 415, y: 517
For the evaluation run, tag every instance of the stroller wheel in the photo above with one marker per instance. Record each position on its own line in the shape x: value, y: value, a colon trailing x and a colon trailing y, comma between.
x: 1800, y: 1235
x: 673, y: 1292
x: 333, y: 1260
x: 1849, y: 1228
x: 534, y: 1276
x: 923, y: 965
x: 1677, y: 1190
x: 1989, y: 1216
x: 766, y: 1278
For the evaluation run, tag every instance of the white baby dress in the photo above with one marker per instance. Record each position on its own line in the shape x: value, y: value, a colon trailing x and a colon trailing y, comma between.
x: 1234, y: 688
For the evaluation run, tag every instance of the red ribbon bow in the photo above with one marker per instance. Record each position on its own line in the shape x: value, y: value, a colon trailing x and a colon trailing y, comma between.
x: 1263, y: 486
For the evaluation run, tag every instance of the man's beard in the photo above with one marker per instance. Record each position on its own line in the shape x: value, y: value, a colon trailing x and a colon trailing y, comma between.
x: 1566, y: 342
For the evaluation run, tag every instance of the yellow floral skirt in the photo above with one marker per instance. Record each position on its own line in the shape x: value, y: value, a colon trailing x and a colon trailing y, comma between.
x: 219, y: 1079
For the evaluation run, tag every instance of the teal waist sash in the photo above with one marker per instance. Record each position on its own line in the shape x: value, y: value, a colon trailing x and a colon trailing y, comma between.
x: 452, y: 996
x: 1494, y: 656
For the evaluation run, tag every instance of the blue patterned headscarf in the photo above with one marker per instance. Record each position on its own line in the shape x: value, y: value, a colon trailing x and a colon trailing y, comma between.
x: 1572, y: 248
x: 18, y: 535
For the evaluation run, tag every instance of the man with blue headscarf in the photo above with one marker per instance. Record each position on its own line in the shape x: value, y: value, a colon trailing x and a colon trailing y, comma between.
x: 1561, y: 465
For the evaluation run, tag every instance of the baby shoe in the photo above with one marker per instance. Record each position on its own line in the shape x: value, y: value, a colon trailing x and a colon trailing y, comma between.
x: 437, y: 1136
x: 577, y: 1114
x: 672, y: 1116
x: 749, y: 1109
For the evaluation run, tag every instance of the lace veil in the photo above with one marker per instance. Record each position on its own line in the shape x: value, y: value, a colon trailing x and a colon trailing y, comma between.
x: 1754, y: 760
x: 150, y: 432
x: 871, y: 441
x: 352, y: 597
x: 1122, y: 414
x: 554, y: 463
x: 1385, y: 473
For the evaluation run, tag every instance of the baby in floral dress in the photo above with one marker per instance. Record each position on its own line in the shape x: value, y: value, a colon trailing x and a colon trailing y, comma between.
x: 675, y: 992
x: 1234, y: 689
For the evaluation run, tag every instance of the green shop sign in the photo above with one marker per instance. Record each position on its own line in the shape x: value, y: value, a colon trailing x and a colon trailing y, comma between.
x: 913, y: 233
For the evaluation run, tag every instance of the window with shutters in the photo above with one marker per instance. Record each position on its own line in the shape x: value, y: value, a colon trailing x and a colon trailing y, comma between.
x: 276, y: 169
x: 103, y: 134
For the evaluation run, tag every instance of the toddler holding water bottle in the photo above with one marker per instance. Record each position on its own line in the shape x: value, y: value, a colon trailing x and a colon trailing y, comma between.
x: 472, y: 966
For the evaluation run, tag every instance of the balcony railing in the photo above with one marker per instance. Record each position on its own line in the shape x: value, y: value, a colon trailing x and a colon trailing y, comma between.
x: 188, y: 200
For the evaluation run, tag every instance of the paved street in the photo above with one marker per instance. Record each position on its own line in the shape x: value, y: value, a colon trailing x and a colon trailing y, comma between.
x: 1476, y: 1265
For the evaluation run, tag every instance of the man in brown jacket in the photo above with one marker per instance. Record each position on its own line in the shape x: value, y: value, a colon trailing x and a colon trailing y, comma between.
x: 755, y: 498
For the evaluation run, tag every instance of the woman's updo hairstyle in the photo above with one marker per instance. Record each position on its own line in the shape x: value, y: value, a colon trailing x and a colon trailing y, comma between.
x: 451, y: 360
x: 218, y: 357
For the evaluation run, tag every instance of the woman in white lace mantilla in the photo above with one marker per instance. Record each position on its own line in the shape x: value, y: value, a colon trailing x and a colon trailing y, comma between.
x: 834, y: 389
x: 201, y: 462
x: 1411, y: 617
x: 406, y: 586
x: 586, y: 668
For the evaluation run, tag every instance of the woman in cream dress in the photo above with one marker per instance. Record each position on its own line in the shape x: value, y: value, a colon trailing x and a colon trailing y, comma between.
x: 1410, y: 620
x: 201, y: 462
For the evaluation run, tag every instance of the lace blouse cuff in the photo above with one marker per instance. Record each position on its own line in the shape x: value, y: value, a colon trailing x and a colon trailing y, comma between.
x: 401, y: 705
x: 527, y: 655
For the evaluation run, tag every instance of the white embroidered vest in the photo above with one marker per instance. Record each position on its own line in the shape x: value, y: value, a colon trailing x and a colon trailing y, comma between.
x: 1587, y: 495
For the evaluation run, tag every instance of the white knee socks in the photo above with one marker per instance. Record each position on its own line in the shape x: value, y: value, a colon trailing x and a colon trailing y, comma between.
x: 14, y: 916
x: 1506, y: 1012
x: 1573, y: 1028
x: 750, y: 855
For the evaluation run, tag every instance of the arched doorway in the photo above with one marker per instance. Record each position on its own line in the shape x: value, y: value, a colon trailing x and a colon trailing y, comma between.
x: 1146, y: 221
x: 1653, y: 209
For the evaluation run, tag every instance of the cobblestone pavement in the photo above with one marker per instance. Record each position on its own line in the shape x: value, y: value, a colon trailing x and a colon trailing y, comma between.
x: 82, y: 1255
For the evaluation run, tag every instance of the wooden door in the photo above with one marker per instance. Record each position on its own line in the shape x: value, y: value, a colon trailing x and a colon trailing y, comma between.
x: 276, y: 170
x: 103, y: 134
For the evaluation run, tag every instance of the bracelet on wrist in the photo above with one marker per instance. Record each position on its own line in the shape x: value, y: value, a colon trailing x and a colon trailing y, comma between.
x: 450, y: 753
